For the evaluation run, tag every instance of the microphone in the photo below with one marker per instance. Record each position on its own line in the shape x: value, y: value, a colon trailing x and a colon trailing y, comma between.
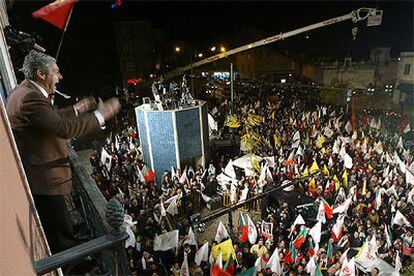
x: 63, y: 95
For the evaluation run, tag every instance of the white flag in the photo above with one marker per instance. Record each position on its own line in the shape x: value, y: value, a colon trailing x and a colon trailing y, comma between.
x: 191, y: 237
x: 219, y: 260
x: 348, y: 268
x: 162, y: 211
x: 270, y: 161
x: 229, y: 170
x: 185, y: 271
x: 391, y: 191
x: 252, y: 235
x: 221, y: 233
x: 299, y: 220
x: 173, y: 207
x: 296, y: 136
x: 202, y: 254
x: 321, y: 213
x: 407, y: 128
x: 311, y: 266
x: 274, y: 263
x: 354, y: 136
x: 409, y: 178
x: 348, y: 127
x: 166, y: 241
x: 398, y: 264
x: 348, y: 161
x: 316, y: 232
x: 343, y: 207
x: 401, y: 220
x: 183, y: 177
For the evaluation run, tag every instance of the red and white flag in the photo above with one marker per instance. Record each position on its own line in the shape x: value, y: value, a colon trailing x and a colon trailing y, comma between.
x: 56, y: 13
x: 252, y: 231
x: 338, y: 228
x: 221, y: 233
x: 348, y: 268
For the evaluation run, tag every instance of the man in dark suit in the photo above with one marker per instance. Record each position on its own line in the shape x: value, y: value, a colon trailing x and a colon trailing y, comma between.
x: 41, y: 132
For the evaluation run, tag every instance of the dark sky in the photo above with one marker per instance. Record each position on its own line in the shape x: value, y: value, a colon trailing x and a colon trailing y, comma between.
x: 89, y: 49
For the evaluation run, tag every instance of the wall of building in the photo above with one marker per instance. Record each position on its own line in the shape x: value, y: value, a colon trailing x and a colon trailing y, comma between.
x: 349, y: 76
x: 136, y: 44
x: 263, y: 63
x: 22, y: 241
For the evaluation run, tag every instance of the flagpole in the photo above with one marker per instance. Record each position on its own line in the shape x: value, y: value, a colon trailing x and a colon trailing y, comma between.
x: 63, y: 34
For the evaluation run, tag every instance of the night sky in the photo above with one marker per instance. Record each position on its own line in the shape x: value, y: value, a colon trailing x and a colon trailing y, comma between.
x: 89, y: 60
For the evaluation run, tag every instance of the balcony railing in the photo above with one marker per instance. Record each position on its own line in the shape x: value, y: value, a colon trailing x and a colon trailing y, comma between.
x: 102, y: 223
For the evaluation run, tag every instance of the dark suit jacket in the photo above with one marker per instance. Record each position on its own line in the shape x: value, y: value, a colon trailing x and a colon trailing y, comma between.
x: 41, y: 132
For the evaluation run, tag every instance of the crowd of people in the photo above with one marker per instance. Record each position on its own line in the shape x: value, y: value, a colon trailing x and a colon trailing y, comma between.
x: 357, y: 173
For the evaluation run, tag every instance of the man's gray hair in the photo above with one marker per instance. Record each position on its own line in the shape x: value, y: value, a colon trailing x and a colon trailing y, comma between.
x: 36, y: 60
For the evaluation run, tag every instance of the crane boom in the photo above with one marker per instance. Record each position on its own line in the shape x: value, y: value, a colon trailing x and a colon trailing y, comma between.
x: 354, y: 15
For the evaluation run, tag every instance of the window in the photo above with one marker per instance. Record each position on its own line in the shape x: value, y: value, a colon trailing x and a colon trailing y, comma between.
x: 127, y: 49
x: 130, y: 66
x: 407, y: 69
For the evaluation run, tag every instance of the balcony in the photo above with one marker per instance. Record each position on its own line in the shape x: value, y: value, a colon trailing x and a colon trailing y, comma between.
x: 99, y: 223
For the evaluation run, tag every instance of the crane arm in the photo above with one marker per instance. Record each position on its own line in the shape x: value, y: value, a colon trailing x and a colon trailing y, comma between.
x: 356, y: 16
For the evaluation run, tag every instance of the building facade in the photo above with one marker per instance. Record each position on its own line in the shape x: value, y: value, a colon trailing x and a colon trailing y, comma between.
x: 404, y: 83
x: 378, y: 72
x: 137, y: 49
x: 263, y: 63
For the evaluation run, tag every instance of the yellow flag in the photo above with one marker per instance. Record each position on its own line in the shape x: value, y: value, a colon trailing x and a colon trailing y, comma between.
x: 314, y: 168
x: 345, y: 178
x: 370, y: 168
x: 326, y: 171
x: 337, y: 183
x: 277, y: 141
x: 323, y: 150
x: 312, y: 183
x: 364, y: 188
x: 273, y: 115
x: 361, y: 250
x: 226, y: 248
x: 305, y: 172
x: 290, y: 121
x: 319, y: 143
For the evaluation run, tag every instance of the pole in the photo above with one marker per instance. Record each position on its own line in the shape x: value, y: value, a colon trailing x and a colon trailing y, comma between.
x: 232, y: 88
x: 273, y: 188
x: 63, y: 34
x: 191, y: 72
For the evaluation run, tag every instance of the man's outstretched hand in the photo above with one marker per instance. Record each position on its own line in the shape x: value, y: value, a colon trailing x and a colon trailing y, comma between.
x: 109, y: 108
x: 85, y: 105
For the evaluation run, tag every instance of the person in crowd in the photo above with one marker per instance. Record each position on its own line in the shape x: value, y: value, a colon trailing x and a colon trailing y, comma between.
x: 360, y: 176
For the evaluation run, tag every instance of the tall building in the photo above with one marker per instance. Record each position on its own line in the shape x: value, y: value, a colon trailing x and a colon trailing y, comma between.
x: 137, y: 45
x: 404, y: 83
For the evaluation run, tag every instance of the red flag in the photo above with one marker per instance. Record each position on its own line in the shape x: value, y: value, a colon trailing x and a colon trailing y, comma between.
x: 217, y: 271
x: 328, y: 209
x: 56, y: 13
x: 149, y: 174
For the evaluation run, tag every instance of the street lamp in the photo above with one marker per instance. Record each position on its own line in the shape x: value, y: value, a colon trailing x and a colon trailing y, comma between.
x: 213, y: 48
x: 200, y: 55
x: 222, y: 49
x: 177, y: 49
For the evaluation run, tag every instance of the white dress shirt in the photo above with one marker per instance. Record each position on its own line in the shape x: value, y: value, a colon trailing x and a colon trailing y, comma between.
x: 97, y: 114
